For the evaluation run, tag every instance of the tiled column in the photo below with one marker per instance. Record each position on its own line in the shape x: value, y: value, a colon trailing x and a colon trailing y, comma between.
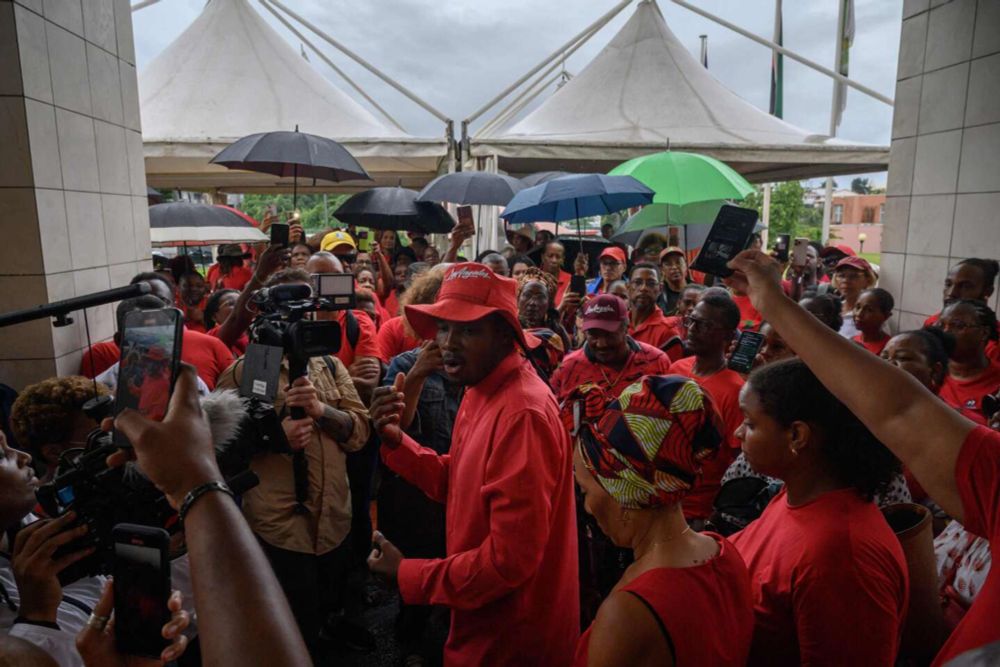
x: 944, y: 172
x: 73, y: 208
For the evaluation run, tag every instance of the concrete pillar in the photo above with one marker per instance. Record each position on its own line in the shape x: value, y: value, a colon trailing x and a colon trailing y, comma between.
x: 944, y: 172
x: 73, y: 210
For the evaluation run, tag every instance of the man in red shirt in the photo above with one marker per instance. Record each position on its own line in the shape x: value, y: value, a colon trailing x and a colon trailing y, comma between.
x: 971, y: 279
x: 510, y: 575
x: 609, y: 357
x: 711, y: 328
x: 229, y: 272
x: 646, y: 322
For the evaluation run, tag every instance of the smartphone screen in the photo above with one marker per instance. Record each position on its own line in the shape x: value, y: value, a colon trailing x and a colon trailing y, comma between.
x: 747, y: 347
x: 142, y: 587
x: 730, y: 235
x: 279, y: 234
x: 781, y: 247
x: 151, y: 351
x: 578, y: 284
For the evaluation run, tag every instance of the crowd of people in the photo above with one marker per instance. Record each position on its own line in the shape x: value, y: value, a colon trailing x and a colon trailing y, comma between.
x: 575, y: 474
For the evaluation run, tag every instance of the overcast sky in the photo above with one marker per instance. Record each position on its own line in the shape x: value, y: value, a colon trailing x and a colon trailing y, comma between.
x: 457, y: 54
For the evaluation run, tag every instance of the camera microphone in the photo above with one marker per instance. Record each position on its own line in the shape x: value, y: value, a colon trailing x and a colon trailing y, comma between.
x: 286, y: 292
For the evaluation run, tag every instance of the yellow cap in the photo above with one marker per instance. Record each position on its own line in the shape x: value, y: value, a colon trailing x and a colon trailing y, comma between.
x: 336, y: 238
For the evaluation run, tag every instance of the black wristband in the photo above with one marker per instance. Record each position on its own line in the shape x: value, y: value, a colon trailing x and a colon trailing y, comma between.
x: 197, y: 492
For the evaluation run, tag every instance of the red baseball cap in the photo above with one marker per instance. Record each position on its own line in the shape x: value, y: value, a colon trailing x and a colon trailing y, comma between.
x: 842, y: 249
x: 613, y: 252
x: 858, y: 263
x: 469, y: 292
x: 606, y: 312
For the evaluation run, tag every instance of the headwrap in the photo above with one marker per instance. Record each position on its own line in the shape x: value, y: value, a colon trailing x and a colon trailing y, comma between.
x: 646, y: 447
x: 544, y: 277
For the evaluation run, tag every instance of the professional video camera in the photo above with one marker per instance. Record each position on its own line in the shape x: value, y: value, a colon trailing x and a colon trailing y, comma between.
x: 103, y: 497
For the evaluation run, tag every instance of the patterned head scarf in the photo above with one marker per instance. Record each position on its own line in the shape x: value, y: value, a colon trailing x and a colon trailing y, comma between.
x: 646, y: 447
x: 550, y: 353
x: 544, y: 277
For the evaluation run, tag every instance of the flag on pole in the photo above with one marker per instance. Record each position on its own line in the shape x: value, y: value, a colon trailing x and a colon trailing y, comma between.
x: 845, y: 39
x: 777, y: 67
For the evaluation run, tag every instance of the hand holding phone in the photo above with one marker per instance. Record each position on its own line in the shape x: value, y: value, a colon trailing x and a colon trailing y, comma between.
x: 142, y: 588
x: 279, y: 234
x: 729, y: 236
x: 747, y: 347
x: 781, y: 248
x: 578, y: 285
x: 800, y: 252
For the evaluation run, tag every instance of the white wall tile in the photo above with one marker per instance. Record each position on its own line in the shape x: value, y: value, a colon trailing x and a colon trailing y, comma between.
x: 66, y: 13
x: 896, y: 223
x: 77, y: 151
x: 99, y: 24
x: 68, y: 65
x: 21, y: 251
x: 10, y: 73
x: 930, y: 225
x: 33, y: 5
x: 906, y: 110
x: 949, y: 34
x: 899, y: 180
x: 86, y: 230
x: 980, y: 170
x: 935, y: 169
x: 913, y: 321
x: 112, y: 158
x: 912, y: 43
x: 987, y: 39
x: 140, y: 218
x: 136, y: 163
x: 30, y: 340
x: 942, y: 100
x: 923, y: 281
x: 130, y: 95
x: 101, y: 318
x: 34, y: 52
x: 105, y: 85
x: 45, y: 163
x: 119, y: 232
x: 984, y: 89
x: 123, y: 30
x: 912, y: 7
x: 15, y: 166
x: 52, y: 229
x: 120, y: 274
x: 977, y: 231
x: 890, y: 275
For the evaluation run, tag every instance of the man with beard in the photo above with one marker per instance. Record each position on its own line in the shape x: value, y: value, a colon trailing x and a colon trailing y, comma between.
x: 510, y: 576
x: 646, y: 322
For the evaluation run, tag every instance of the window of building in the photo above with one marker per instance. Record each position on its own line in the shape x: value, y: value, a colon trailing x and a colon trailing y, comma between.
x: 868, y: 214
x: 838, y: 213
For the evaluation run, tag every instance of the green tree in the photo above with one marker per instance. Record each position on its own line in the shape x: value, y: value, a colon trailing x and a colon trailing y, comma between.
x: 315, y: 215
x: 862, y: 186
x: 787, y: 208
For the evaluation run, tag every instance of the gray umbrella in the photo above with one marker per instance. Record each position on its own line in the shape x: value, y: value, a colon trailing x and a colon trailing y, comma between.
x: 472, y: 187
x: 531, y: 180
x: 394, y: 208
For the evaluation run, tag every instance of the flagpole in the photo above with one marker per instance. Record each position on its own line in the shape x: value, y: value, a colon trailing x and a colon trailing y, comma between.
x: 777, y: 109
x: 834, y: 118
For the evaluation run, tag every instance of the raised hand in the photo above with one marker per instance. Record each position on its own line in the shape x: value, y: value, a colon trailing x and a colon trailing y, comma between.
x: 387, y: 411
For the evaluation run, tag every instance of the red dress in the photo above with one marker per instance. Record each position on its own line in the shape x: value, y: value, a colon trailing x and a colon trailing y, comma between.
x: 829, y: 580
x: 510, y: 576
x: 706, y: 610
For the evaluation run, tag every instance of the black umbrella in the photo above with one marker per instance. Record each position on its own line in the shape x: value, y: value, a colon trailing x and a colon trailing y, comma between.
x: 472, y: 187
x: 154, y: 196
x: 539, y: 177
x: 292, y: 154
x: 593, y: 246
x: 183, y: 223
x: 396, y: 209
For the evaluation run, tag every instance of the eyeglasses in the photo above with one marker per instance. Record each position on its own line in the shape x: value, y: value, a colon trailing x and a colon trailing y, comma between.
x: 957, y: 327
x: 695, y: 323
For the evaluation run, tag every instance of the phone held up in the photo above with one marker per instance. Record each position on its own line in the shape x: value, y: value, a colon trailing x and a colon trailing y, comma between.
x: 800, y: 252
x: 142, y: 588
x: 279, y: 234
x: 578, y: 285
x: 150, y: 359
x: 729, y: 236
x: 747, y: 347
x: 781, y: 247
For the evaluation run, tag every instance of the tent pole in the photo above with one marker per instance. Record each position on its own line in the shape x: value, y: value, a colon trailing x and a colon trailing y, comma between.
x: 142, y: 5
x: 516, y: 106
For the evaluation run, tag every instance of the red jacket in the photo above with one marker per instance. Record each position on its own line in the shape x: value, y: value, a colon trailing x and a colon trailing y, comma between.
x: 510, y: 576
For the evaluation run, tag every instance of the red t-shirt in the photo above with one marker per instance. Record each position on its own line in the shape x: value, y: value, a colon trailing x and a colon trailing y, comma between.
x: 207, y: 354
x: 704, y: 609
x: 562, y: 284
x: 579, y: 368
x: 190, y: 312
x: 829, y: 580
x: 99, y: 358
x: 656, y: 330
x: 724, y: 388
x: 967, y: 395
x: 393, y: 339
x: 239, y: 348
x: 367, y: 336
x: 977, y: 473
x: 237, y: 279
x: 874, y: 348
x: 392, y: 303
x: 750, y: 317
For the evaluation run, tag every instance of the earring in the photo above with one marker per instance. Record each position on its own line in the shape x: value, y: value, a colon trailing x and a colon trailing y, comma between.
x: 626, y: 518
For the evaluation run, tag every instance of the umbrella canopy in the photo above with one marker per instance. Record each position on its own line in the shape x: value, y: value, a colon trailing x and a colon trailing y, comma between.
x: 576, y: 196
x: 683, y: 178
x: 396, y: 209
x: 154, y: 196
x: 539, y: 177
x: 184, y: 223
x: 593, y: 246
x: 472, y: 187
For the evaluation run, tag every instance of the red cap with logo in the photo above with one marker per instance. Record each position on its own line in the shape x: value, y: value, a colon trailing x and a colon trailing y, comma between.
x: 469, y: 292
x: 614, y: 252
x: 606, y: 312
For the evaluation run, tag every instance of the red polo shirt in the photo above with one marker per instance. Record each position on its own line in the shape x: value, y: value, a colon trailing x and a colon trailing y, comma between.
x: 579, y: 367
x: 510, y: 576
x: 656, y: 330
x: 393, y: 339
x: 966, y: 396
x: 724, y: 388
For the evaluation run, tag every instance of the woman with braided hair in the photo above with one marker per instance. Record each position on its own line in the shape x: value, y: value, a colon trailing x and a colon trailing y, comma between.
x: 686, y: 598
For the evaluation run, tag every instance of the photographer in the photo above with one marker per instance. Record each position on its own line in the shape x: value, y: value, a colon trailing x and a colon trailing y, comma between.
x: 305, y: 541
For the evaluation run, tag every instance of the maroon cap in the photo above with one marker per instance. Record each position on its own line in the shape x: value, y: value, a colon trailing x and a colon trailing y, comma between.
x: 606, y: 312
x: 845, y: 250
x: 858, y: 263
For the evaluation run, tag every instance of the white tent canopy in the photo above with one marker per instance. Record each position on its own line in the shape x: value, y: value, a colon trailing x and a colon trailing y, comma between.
x: 645, y: 93
x: 229, y: 74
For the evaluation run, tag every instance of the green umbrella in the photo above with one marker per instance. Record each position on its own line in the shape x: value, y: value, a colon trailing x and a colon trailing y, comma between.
x: 661, y: 216
x: 684, y: 178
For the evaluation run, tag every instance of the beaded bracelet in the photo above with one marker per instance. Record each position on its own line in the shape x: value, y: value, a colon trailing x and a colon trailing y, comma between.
x: 197, y: 492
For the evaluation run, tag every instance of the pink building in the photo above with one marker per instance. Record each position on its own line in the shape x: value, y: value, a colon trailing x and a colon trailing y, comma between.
x: 857, y: 217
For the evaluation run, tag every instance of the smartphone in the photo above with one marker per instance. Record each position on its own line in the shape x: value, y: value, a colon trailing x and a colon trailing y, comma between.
x: 800, y: 252
x: 150, y: 359
x: 363, y: 235
x: 141, y: 571
x: 747, y: 347
x: 578, y: 284
x: 465, y: 217
x: 279, y: 234
x: 729, y: 236
x: 781, y: 247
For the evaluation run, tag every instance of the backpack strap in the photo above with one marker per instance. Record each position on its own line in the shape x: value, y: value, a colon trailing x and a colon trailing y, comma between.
x: 353, y: 329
